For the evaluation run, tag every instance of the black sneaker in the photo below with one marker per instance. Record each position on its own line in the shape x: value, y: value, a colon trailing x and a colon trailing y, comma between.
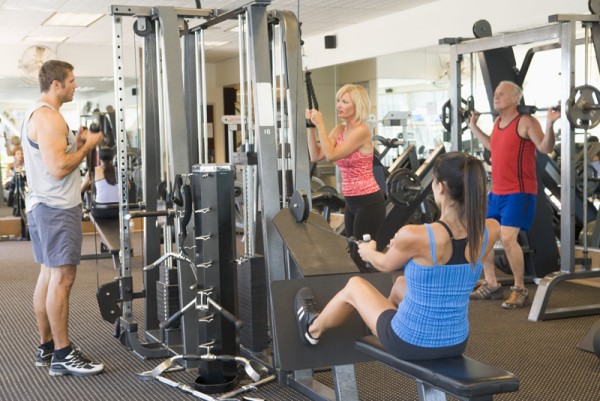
x: 43, y: 357
x: 306, y: 312
x: 74, y: 364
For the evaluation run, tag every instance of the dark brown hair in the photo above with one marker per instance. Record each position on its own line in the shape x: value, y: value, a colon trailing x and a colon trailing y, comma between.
x: 106, y: 156
x: 466, y: 181
x: 53, y: 70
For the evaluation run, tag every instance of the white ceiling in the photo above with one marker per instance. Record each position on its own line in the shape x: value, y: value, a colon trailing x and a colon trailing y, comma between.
x: 20, y: 19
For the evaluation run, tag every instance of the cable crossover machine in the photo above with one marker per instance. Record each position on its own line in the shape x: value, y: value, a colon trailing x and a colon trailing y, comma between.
x: 207, y: 305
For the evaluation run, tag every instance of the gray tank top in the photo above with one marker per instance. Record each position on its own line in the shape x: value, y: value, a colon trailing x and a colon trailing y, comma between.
x: 43, y: 187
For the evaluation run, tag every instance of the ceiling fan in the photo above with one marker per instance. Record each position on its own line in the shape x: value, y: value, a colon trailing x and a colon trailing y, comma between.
x: 32, y: 60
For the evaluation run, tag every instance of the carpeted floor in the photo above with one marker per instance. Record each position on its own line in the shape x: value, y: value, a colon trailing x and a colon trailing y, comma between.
x: 543, y: 355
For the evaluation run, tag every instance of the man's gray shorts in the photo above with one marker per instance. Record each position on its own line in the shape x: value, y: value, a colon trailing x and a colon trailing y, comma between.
x: 56, y: 235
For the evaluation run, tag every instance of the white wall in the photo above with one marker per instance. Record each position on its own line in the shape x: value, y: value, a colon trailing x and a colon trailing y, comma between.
x: 423, y: 26
x: 398, y: 41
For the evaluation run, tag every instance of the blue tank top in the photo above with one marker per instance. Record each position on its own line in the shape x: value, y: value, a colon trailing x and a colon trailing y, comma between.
x: 434, y: 311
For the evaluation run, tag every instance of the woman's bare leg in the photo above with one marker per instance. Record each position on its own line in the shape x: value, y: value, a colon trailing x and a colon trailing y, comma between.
x: 358, y: 294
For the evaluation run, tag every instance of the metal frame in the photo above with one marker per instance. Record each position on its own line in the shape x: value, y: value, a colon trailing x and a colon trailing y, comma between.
x: 562, y: 30
x: 171, y: 143
x: 173, y: 127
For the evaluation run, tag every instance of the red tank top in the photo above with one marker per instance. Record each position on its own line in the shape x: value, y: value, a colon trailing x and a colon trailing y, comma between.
x: 357, y: 172
x: 513, y: 160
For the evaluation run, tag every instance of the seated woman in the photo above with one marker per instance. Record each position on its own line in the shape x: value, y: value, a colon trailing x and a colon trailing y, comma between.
x: 106, y: 190
x: 16, y: 183
x: 426, y: 314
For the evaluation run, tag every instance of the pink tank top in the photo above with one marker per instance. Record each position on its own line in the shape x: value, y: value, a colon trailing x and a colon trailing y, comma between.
x: 357, y: 172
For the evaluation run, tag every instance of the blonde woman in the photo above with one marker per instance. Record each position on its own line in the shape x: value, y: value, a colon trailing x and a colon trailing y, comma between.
x: 350, y: 146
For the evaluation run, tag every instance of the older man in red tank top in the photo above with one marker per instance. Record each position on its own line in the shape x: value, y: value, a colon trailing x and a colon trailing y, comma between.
x: 513, y: 144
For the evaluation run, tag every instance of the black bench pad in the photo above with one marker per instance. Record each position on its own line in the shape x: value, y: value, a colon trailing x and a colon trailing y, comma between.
x: 109, y: 233
x: 461, y: 376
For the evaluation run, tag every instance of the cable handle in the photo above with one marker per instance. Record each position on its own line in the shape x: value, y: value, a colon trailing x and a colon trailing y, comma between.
x: 367, y: 238
x: 230, y: 317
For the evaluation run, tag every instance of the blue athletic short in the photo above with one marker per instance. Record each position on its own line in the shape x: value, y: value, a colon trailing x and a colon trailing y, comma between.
x: 512, y: 210
x: 56, y: 235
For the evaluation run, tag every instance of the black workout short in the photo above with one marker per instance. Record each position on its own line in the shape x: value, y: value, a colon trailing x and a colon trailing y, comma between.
x: 403, y: 350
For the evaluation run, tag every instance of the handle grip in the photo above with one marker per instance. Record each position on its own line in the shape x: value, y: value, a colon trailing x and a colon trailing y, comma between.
x: 230, y: 317
x: 175, y: 317
x: 95, y: 128
x: 367, y: 238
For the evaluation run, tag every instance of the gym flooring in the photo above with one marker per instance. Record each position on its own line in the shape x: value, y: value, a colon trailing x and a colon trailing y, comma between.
x: 544, y: 355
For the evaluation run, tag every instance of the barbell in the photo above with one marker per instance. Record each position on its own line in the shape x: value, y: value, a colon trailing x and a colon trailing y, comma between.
x: 583, y: 109
x: 469, y: 103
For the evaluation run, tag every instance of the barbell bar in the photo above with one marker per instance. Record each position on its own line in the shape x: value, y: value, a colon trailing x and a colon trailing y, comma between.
x: 583, y: 109
x: 465, y: 112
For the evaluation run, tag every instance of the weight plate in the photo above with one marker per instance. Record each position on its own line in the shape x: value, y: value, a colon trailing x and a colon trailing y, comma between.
x: 465, y: 110
x: 487, y: 156
x: 583, y: 109
x: 299, y: 206
x: 403, y: 186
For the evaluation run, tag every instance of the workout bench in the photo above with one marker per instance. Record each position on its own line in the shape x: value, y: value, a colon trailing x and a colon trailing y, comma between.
x: 461, y: 377
x: 110, y: 236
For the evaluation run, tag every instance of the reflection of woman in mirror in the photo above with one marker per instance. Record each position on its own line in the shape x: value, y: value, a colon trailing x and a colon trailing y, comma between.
x: 106, y: 189
x: 16, y: 183
x: 350, y: 145
x: 17, y: 166
x: 13, y: 146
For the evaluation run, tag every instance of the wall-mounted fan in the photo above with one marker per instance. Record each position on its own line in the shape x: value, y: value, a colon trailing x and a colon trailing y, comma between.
x: 32, y: 60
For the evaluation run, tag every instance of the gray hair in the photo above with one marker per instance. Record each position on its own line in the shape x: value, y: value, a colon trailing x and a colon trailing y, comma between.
x: 516, y: 88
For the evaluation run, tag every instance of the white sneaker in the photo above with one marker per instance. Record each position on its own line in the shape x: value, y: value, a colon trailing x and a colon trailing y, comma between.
x: 74, y: 364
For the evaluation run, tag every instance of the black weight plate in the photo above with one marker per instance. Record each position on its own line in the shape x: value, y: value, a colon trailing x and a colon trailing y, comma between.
x: 299, y: 206
x: 464, y: 111
x: 403, y: 186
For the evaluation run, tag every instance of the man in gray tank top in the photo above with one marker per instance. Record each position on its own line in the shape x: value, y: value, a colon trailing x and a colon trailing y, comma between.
x: 52, y: 158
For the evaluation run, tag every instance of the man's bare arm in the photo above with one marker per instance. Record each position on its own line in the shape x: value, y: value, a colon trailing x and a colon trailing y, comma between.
x: 51, y: 132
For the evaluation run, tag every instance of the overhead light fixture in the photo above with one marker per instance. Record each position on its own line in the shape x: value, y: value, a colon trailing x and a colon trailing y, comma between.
x: 85, y: 89
x: 45, y: 39
x: 209, y: 43
x: 72, y: 19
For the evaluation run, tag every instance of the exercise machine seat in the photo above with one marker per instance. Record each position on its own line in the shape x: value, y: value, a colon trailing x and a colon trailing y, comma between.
x: 460, y: 376
x: 109, y: 233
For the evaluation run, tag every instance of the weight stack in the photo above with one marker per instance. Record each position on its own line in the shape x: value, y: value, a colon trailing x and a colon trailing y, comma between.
x: 214, y: 232
x: 167, y: 294
x: 252, y: 304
